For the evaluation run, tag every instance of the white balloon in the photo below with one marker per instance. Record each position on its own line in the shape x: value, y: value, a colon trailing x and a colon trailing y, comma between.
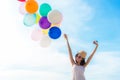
x: 45, y: 41
x: 54, y: 16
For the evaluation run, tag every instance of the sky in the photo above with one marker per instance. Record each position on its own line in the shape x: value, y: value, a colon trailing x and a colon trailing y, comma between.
x: 84, y: 21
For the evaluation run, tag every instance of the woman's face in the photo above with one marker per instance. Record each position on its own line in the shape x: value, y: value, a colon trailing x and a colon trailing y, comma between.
x: 78, y: 58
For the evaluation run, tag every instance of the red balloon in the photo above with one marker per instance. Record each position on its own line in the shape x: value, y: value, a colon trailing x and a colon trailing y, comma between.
x: 22, y: 0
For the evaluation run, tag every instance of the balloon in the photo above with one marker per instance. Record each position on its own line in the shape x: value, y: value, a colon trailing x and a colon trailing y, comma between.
x: 29, y: 19
x: 36, y: 34
x: 31, y: 6
x: 44, y: 23
x: 54, y: 32
x: 45, y: 31
x: 22, y: 0
x: 44, y: 9
x: 45, y: 41
x: 37, y: 18
x: 55, y: 17
x: 52, y: 25
x: 22, y: 9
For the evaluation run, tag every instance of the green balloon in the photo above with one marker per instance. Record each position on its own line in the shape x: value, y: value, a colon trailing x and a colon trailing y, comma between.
x: 44, y: 9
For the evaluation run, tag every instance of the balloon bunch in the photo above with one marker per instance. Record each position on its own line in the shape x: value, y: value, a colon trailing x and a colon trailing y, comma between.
x: 48, y: 20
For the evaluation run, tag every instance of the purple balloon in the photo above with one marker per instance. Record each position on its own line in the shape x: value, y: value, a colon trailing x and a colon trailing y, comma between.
x: 44, y: 23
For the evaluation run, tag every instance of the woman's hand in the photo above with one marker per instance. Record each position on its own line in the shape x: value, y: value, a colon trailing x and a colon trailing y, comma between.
x: 95, y: 42
x: 65, y: 36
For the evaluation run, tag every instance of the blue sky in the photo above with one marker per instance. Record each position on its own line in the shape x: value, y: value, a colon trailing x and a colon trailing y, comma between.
x: 83, y: 20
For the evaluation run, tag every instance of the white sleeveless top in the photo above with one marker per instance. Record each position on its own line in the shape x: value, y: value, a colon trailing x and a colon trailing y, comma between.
x: 78, y: 72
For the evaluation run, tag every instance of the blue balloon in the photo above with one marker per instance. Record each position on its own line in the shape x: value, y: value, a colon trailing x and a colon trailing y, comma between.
x: 54, y: 32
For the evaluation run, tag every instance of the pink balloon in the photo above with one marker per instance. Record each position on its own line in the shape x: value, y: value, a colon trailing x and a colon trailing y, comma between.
x: 36, y: 35
x: 22, y: 8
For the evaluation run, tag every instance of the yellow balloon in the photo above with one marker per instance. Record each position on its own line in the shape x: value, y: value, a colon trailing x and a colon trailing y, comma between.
x: 45, y: 31
x: 37, y: 18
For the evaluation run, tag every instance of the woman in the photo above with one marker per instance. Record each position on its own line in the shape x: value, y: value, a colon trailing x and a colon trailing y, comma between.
x: 79, y: 63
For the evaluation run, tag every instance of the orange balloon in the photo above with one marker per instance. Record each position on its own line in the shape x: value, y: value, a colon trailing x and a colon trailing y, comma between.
x: 31, y: 6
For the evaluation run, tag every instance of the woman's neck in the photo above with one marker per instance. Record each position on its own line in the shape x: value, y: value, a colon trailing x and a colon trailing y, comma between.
x: 78, y: 63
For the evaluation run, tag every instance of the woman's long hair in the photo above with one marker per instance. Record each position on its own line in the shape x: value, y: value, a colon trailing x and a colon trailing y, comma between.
x: 82, y: 61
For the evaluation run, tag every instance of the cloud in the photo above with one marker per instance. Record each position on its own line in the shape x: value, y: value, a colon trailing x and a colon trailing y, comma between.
x: 23, y: 59
x: 105, y: 67
x: 34, y: 63
x: 31, y: 75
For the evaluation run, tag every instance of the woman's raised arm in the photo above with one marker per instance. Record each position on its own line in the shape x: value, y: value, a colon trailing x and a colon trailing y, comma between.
x: 69, y: 50
x: 90, y: 57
